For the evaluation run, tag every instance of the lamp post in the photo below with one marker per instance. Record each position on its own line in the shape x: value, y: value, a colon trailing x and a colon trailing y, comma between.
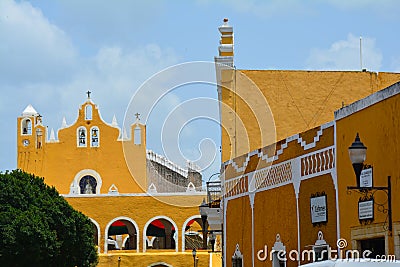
x: 203, y: 212
x: 212, y: 240
x: 357, y: 154
x: 194, y: 257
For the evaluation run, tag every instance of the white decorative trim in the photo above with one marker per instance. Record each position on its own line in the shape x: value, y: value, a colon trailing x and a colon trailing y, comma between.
x: 283, y: 173
x: 320, y: 239
x: 318, y: 162
x: 113, y: 190
x: 91, y: 137
x: 74, y: 188
x: 225, y: 48
x: 114, y: 122
x: 238, y: 255
x: 148, y: 194
x: 78, y: 137
x: 117, y: 219
x: 64, y: 123
x: 152, y: 189
x: 368, y: 101
x: 24, y: 121
x: 153, y: 156
x: 156, y: 218
x: 190, y: 188
x: 52, y: 137
x: 159, y: 263
x: 268, y: 159
x: 184, y: 227
x: 29, y: 111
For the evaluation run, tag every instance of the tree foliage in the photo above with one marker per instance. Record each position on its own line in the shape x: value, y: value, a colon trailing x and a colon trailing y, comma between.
x: 39, y: 228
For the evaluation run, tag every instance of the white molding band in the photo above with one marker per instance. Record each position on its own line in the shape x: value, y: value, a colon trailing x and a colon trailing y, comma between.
x: 295, y: 170
x: 269, y: 159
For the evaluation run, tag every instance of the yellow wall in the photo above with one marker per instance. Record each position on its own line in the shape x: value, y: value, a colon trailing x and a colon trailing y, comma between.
x: 378, y: 127
x: 298, y: 101
x: 147, y: 259
x: 139, y: 209
x: 59, y: 162
x: 119, y: 163
x: 275, y: 207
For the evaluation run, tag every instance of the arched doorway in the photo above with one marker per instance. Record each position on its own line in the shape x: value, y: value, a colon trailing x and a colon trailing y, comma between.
x: 160, y: 233
x: 193, y: 236
x: 122, y: 233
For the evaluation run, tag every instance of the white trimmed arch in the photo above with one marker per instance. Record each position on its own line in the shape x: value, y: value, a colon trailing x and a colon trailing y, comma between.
x: 194, y: 217
x: 157, y: 218
x: 160, y: 263
x: 98, y: 233
x: 75, y: 190
x: 117, y: 219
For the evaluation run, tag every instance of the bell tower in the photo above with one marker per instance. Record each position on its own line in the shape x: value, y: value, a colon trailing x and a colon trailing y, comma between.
x: 30, y: 140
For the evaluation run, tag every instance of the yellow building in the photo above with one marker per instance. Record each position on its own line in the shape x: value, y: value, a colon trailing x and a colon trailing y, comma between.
x: 138, y: 218
x: 286, y: 165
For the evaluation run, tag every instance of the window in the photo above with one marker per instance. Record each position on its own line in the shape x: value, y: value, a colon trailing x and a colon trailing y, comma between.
x: 237, y: 258
x: 88, y: 185
x: 94, y: 137
x: 321, y: 249
x: 279, y: 253
x: 81, y: 138
x: 26, y: 126
x: 88, y: 112
x: 137, y: 135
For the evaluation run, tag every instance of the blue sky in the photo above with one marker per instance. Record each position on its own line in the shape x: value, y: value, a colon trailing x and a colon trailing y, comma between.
x: 52, y: 52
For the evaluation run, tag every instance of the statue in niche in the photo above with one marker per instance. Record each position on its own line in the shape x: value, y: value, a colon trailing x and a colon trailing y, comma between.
x: 88, y: 185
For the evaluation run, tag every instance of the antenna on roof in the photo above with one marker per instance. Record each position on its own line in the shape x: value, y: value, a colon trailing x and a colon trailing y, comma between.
x: 361, y: 66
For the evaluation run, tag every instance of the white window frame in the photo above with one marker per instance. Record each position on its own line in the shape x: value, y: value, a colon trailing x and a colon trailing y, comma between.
x: 78, y: 144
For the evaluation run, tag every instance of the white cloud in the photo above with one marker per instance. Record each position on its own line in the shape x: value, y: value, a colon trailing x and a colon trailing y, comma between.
x: 345, y: 55
x: 41, y: 65
x: 32, y: 49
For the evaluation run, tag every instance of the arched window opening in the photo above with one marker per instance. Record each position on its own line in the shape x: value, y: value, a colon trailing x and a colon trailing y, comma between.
x: 39, y: 138
x: 88, y: 185
x: 94, y: 137
x: 82, y: 137
x: 122, y: 235
x: 96, y: 231
x: 88, y: 112
x: 26, y: 126
x: 160, y: 234
x: 137, y: 135
x: 193, y: 237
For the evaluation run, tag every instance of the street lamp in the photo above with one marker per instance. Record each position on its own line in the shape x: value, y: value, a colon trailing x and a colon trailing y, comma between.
x: 357, y: 153
x: 203, y: 212
x: 194, y: 257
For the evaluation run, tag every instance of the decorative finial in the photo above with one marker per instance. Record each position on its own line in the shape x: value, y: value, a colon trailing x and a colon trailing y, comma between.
x: 88, y: 94
x: 137, y: 116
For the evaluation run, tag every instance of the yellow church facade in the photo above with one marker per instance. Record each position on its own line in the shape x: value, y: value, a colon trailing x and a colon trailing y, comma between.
x: 286, y: 167
x: 103, y: 172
